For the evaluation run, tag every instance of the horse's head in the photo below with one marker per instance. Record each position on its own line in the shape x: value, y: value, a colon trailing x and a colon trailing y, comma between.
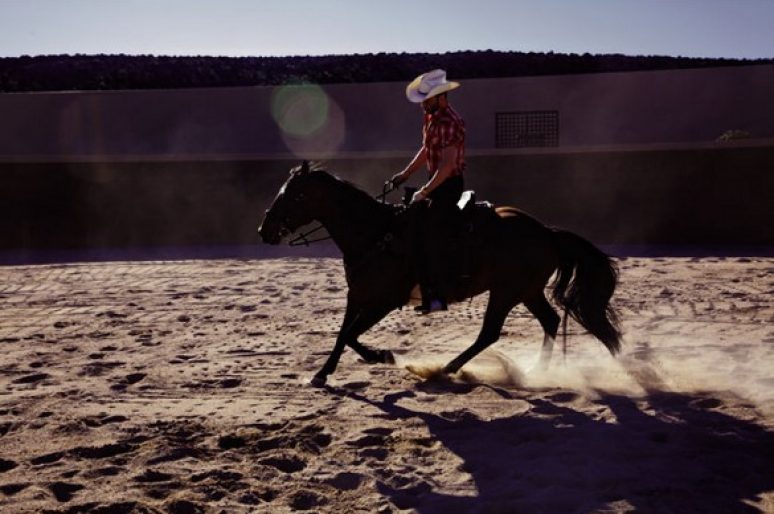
x: 293, y: 207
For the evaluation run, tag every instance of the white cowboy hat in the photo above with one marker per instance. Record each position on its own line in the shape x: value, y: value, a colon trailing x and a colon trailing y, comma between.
x: 428, y: 85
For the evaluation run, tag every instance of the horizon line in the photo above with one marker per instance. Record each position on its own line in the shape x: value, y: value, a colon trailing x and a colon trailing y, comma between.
x: 365, y: 54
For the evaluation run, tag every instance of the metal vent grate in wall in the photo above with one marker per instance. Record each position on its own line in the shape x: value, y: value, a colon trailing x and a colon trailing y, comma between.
x: 526, y: 129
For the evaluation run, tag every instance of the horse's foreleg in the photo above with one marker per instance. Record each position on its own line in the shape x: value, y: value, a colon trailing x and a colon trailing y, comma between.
x: 496, y: 312
x: 549, y: 320
x: 368, y: 319
x: 329, y: 367
x: 356, y: 321
x: 371, y: 356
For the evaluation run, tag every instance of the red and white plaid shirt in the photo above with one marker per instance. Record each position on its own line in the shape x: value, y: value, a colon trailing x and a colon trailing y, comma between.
x: 440, y: 130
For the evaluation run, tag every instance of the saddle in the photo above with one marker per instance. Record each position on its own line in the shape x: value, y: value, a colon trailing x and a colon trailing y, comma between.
x: 470, y: 229
x: 472, y: 212
x: 471, y: 222
x: 468, y: 204
x: 467, y: 199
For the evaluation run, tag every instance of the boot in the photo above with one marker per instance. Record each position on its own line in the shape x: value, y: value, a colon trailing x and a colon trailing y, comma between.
x: 431, y: 302
x: 435, y: 305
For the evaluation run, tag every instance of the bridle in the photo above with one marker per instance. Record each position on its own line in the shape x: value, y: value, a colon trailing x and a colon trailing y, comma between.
x: 301, y: 239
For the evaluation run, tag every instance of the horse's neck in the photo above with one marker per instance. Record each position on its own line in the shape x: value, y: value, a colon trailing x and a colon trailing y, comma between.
x: 354, y: 221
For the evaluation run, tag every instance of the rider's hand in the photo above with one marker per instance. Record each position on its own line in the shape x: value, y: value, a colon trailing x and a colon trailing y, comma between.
x: 418, y: 196
x: 398, y: 179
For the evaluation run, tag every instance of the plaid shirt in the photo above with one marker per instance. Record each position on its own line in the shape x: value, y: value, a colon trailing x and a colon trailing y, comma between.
x: 440, y: 130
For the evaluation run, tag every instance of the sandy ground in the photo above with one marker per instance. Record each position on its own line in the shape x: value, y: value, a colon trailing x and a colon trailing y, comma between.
x: 180, y: 387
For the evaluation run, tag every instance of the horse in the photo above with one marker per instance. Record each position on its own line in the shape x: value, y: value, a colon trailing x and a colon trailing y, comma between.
x: 513, y: 257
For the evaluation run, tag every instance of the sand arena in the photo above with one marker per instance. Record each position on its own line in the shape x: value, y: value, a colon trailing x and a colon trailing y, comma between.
x: 181, y: 386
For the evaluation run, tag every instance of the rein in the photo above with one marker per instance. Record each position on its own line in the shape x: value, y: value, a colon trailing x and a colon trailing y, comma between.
x: 301, y: 239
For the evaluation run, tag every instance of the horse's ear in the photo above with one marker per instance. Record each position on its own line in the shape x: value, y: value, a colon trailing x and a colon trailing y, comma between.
x: 300, y: 170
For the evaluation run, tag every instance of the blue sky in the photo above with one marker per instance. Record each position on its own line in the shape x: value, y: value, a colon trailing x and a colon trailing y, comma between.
x: 695, y: 28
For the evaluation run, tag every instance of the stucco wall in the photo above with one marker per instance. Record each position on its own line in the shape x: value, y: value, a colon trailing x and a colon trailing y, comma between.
x: 198, y: 167
x: 595, y: 109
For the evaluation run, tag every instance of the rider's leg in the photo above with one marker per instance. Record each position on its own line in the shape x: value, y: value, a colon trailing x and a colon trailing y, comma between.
x: 422, y: 248
x: 438, y: 254
x: 443, y: 220
x: 417, y: 246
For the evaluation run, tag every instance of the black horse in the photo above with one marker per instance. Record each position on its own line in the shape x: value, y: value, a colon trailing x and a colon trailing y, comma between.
x: 507, y: 253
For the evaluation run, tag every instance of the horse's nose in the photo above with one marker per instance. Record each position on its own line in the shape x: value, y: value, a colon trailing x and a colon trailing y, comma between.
x: 264, y: 235
x: 267, y: 236
x: 262, y: 232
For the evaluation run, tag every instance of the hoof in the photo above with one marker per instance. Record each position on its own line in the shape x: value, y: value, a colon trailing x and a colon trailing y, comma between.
x: 430, y: 373
x: 381, y: 357
x: 387, y: 357
x: 318, y: 381
x: 450, y: 369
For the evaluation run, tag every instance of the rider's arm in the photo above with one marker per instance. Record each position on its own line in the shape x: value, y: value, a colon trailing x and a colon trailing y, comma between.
x: 444, y: 171
x: 419, y: 160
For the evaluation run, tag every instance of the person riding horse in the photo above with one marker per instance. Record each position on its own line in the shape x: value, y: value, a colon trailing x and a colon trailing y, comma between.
x: 435, y: 204
x: 369, y: 234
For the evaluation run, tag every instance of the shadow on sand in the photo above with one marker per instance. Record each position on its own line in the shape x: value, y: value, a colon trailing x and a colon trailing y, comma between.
x: 678, y: 455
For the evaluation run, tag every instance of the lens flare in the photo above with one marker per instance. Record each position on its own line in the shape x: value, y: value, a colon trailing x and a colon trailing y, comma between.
x: 311, y: 123
x: 300, y: 110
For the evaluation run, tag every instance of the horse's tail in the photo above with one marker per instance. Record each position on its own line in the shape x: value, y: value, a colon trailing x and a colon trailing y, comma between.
x: 585, y: 282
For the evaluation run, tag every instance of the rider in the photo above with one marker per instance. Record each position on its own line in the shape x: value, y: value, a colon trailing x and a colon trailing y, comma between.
x: 443, y: 154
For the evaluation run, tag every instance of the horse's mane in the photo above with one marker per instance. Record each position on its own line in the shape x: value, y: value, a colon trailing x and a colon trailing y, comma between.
x: 350, y: 189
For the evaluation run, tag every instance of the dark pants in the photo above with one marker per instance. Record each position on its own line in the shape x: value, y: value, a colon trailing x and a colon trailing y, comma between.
x: 435, y: 224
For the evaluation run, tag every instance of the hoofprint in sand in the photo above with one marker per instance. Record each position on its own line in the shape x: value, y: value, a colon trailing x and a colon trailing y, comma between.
x: 183, y: 387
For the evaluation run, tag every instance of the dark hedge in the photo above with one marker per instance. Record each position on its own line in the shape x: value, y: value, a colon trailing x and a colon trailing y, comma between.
x: 101, y: 72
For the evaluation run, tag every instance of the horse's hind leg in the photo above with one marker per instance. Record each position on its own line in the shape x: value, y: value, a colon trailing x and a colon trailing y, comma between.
x: 496, y: 312
x: 549, y: 320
